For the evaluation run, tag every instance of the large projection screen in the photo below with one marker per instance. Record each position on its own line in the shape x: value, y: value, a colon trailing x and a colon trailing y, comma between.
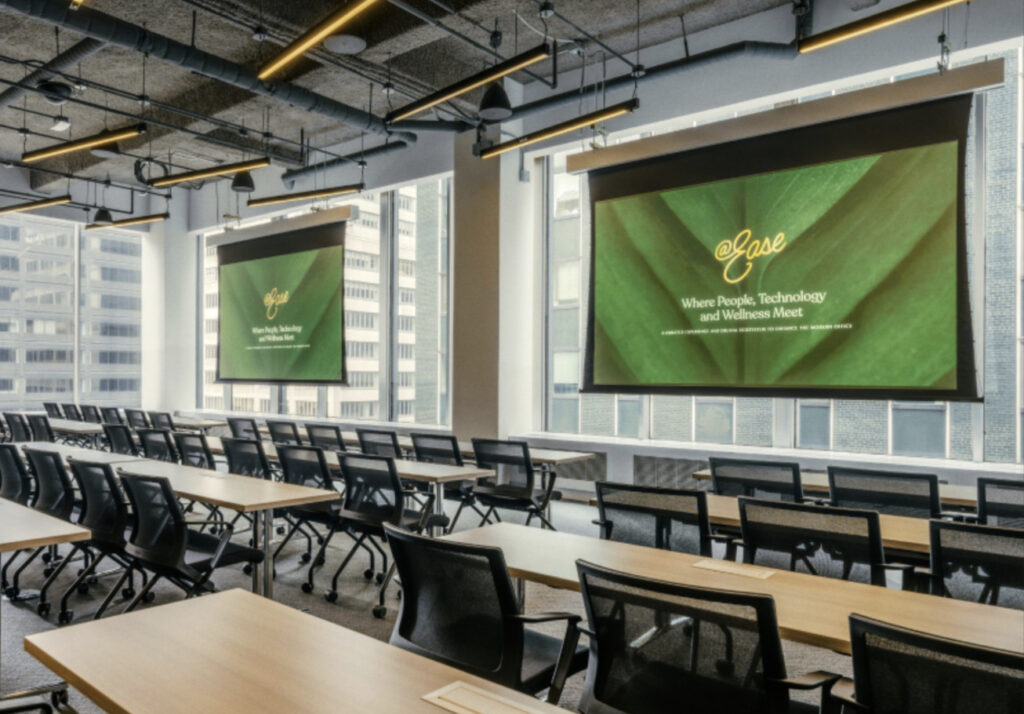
x: 281, y: 310
x: 822, y: 261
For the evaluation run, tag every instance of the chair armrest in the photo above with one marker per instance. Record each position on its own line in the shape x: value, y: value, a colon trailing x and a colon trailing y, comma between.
x: 225, y: 524
x: 723, y: 538
x: 222, y: 543
x: 586, y: 631
x: 811, y: 680
x: 539, y: 617
x: 605, y: 526
x: 843, y: 692
x: 567, y: 651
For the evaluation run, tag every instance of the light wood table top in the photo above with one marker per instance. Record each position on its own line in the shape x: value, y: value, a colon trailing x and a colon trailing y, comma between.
x: 951, y: 494
x: 189, y: 422
x: 22, y: 527
x: 237, y: 652
x: 79, y: 453
x: 239, y: 493
x: 810, y: 609
x: 75, y: 428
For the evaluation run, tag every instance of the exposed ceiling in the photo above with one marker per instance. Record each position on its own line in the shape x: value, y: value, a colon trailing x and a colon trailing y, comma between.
x: 195, y: 122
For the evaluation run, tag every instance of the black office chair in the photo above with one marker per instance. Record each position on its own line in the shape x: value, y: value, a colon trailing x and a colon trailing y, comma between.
x: 157, y: 444
x: 459, y: 607
x: 327, y: 436
x: 15, y: 485
x: 53, y: 410
x: 379, y: 442
x: 284, y: 432
x: 893, y: 492
x: 91, y: 414
x: 513, y: 487
x: 977, y: 562
x: 162, y: 543
x: 193, y: 450
x: 111, y: 415
x: 34, y: 703
x: 18, y: 426
x: 901, y: 670
x: 445, y: 449
x: 666, y: 518
x: 120, y: 439
x: 776, y: 480
x: 658, y: 647
x: 71, y: 411
x: 162, y: 420
x: 243, y: 428
x: 843, y: 543
x: 41, y: 429
x: 137, y: 419
x: 246, y: 457
x: 1001, y: 502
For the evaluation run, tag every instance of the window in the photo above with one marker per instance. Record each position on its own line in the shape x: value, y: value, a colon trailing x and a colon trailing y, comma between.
x: 407, y: 268
x: 358, y: 260
x: 6, y: 385
x: 919, y: 429
x: 48, y: 385
x: 714, y: 420
x: 361, y: 291
x: 814, y: 428
x: 47, y: 327
x: 364, y: 350
x: 7, y: 293
x: 7, y: 354
x: 406, y: 296
x: 10, y: 232
x: 364, y: 320
x: 406, y: 323
x: 9, y: 263
x: 118, y: 357
x: 116, y: 329
x: 406, y: 351
x: 110, y: 384
x: 119, y: 302
x: 120, y: 247
x: 49, y: 356
x: 365, y: 380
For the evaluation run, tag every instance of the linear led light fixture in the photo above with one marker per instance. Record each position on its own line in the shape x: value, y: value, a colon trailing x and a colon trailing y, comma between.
x: 513, y: 64
x: 33, y: 205
x: 134, y: 221
x: 209, y: 173
x: 313, y: 37
x: 565, y: 127
x: 89, y: 142
x: 874, y: 22
x: 292, y: 197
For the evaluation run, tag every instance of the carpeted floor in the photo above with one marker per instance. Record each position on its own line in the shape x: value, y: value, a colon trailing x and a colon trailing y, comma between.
x: 352, y: 610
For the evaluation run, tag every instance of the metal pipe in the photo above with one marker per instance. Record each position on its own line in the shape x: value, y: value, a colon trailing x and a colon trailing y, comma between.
x: 68, y: 58
x: 289, y: 178
x: 100, y: 26
x: 445, y: 126
x: 589, y: 36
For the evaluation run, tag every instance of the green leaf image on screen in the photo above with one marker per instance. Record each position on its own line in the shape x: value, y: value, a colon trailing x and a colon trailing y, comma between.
x: 298, y: 340
x: 877, y: 235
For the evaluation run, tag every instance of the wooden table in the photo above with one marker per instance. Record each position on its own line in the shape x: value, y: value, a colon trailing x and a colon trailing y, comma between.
x: 234, y: 652
x: 78, y: 453
x: 22, y: 528
x: 199, y: 423
x: 816, y: 482
x: 810, y: 609
x: 70, y: 427
x: 239, y: 493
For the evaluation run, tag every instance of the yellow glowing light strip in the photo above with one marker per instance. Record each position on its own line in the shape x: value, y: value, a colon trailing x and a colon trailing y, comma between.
x: 107, y: 137
x: 292, y: 197
x: 45, y: 203
x: 209, y: 173
x: 874, y: 22
x: 470, y: 83
x: 563, y: 128
x: 314, y: 37
x: 138, y: 220
x: 75, y: 4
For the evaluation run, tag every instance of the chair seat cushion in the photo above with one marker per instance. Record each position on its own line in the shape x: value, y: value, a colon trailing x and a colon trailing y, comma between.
x: 505, y: 497
x: 540, y: 654
x: 202, y: 546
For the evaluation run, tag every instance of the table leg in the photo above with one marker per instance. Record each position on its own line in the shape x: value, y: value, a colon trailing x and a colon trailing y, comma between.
x: 520, y: 585
x: 438, y: 531
x: 257, y: 542
x: 267, y: 524
x: 52, y: 689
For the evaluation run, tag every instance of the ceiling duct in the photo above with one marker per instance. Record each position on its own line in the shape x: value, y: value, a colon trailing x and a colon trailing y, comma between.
x: 65, y: 60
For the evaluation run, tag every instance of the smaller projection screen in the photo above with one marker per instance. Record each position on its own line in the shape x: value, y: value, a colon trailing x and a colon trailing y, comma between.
x: 281, y: 312
x: 822, y: 261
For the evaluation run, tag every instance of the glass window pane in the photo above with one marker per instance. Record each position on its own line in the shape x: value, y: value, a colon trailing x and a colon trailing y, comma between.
x: 814, y: 426
x: 671, y: 417
x: 565, y: 372
x: 565, y: 415
x: 919, y: 430
x: 714, y: 421
x: 565, y: 328
x: 630, y: 414
x: 567, y: 283
x: 565, y: 239
x: 597, y: 414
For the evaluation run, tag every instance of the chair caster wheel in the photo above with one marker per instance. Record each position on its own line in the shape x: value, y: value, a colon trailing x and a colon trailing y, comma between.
x: 83, y: 589
x: 12, y: 592
x: 725, y: 667
x: 305, y: 558
x: 47, y: 572
x: 378, y: 578
x: 280, y: 530
x: 59, y: 698
x: 379, y: 611
x: 319, y: 540
x: 247, y: 570
x: 65, y: 617
x: 45, y: 558
x: 150, y: 597
x: 128, y: 593
x: 307, y: 588
x: 92, y: 580
x: 331, y: 596
x: 43, y: 609
x: 368, y: 573
x: 320, y: 561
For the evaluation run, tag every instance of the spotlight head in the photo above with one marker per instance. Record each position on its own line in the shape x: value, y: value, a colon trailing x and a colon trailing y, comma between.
x: 102, y: 217
x: 60, y: 123
x: 546, y: 10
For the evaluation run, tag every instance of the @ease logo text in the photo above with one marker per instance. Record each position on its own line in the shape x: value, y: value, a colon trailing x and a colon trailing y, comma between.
x: 273, y: 301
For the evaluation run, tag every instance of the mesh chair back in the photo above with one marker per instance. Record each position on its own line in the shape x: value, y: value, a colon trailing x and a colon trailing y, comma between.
x: 161, y: 420
x: 71, y: 411
x: 157, y: 444
x: 194, y: 451
x: 18, y: 426
x: 456, y: 603
x: 111, y: 415
x: 671, y: 519
x: 159, y: 536
x: 53, y: 410
x: 55, y: 494
x: 657, y: 645
x: 327, y: 436
x: 840, y: 543
x: 15, y: 481
x: 284, y: 432
x: 372, y: 488
x: 120, y: 439
x: 304, y: 466
x: 900, y: 670
x: 137, y: 418
x: 509, y: 459
x: 437, y: 448
x: 91, y: 414
x: 979, y: 563
x: 901, y: 494
x: 104, y: 511
x: 778, y: 481
x: 243, y: 428
x: 1001, y: 502
x: 379, y: 442
x: 41, y: 429
x: 246, y: 457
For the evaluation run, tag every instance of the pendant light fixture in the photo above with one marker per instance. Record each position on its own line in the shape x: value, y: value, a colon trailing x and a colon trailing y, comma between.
x: 305, y: 195
x: 133, y: 221
x: 33, y: 205
x: 101, y: 139
x: 243, y: 183
x: 564, y: 128
x: 221, y: 170
x: 874, y: 22
x: 495, y: 106
x: 102, y: 217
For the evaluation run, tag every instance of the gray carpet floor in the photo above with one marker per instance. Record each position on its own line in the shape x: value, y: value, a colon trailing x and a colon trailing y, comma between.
x: 356, y: 597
